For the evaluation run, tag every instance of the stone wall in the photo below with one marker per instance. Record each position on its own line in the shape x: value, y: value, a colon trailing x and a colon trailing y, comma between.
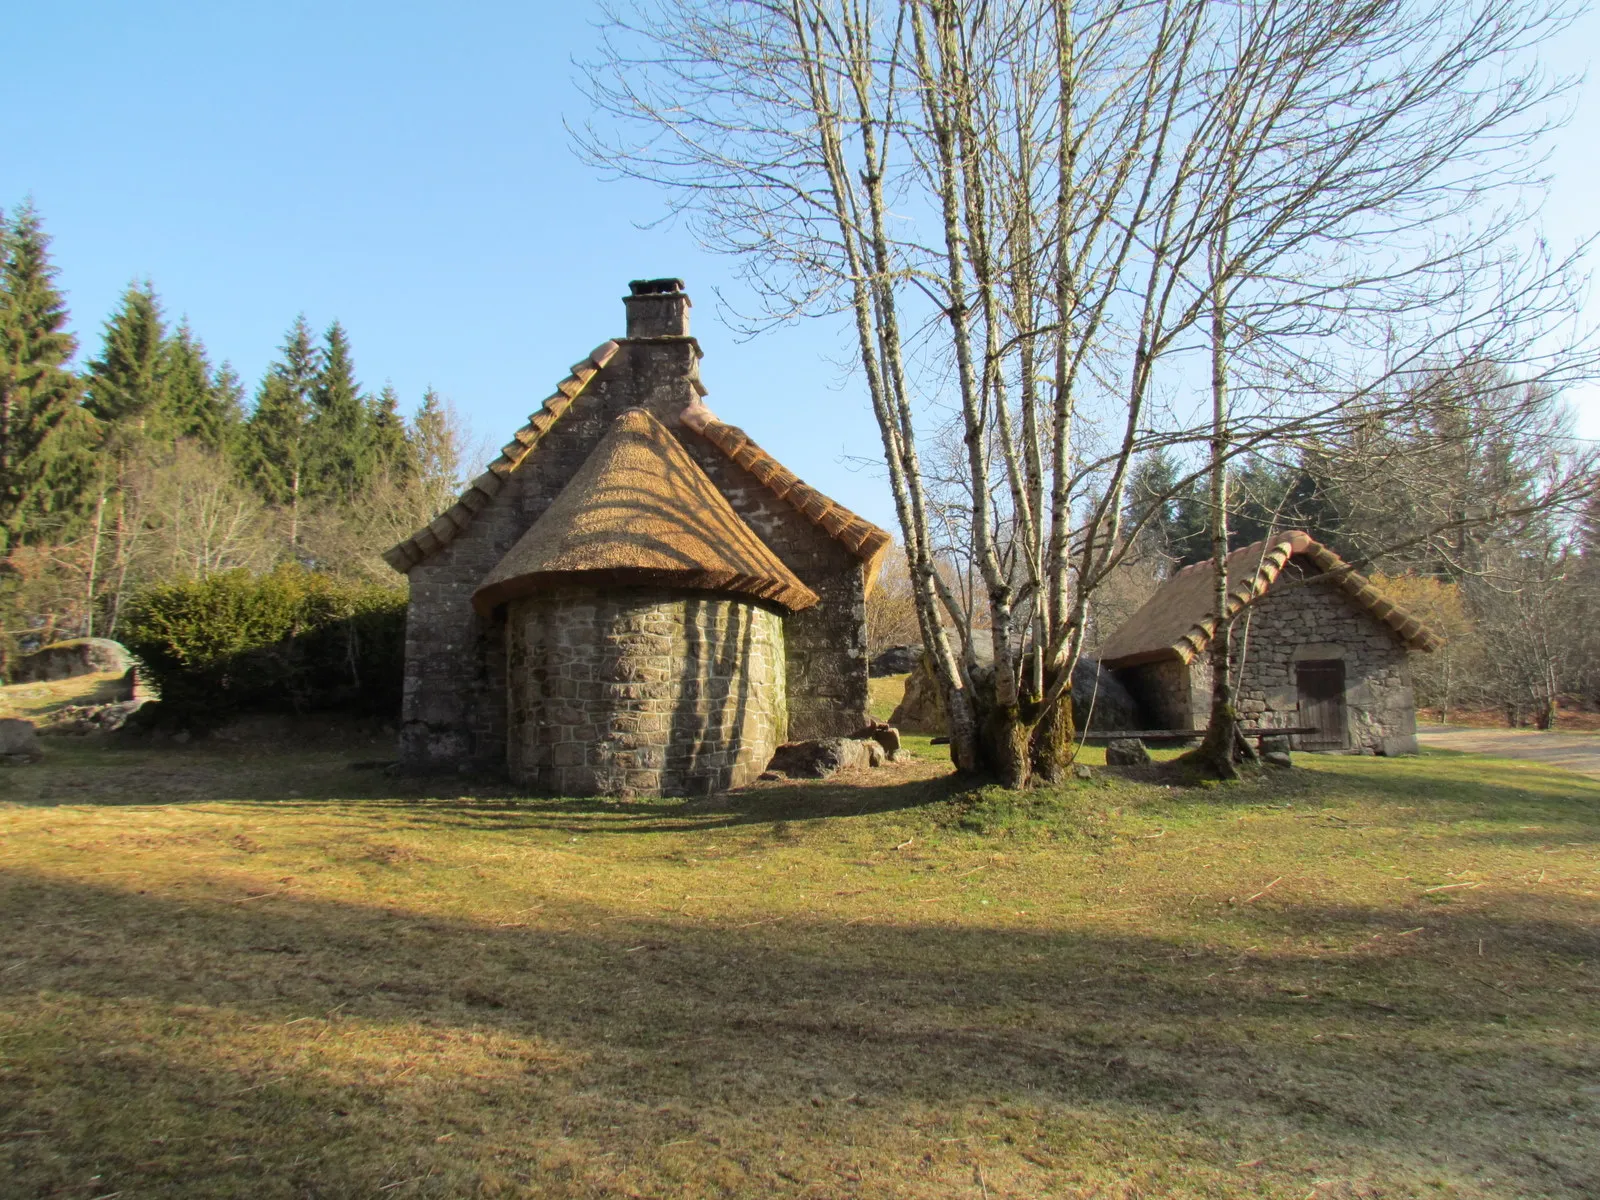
x: 1296, y: 623
x: 827, y: 643
x: 453, y: 711
x: 642, y: 691
x: 1170, y: 694
x: 454, y: 708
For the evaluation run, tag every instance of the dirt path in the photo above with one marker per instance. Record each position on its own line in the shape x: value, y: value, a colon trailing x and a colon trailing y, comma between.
x: 1578, y: 752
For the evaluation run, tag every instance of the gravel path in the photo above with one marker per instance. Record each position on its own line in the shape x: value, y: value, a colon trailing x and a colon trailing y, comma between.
x: 1578, y: 752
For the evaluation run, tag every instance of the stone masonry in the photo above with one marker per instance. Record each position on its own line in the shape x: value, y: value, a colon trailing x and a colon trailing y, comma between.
x: 1290, y: 624
x: 647, y: 691
x: 1294, y: 623
x: 455, y: 706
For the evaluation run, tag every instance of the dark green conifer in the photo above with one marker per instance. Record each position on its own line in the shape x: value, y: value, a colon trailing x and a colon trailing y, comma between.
x: 228, y: 390
x: 343, y: 452
x: 40, y: 420
x: 390, y: 443
x: 275, y: 441
x: 128, y: 383
x: 195, y: 406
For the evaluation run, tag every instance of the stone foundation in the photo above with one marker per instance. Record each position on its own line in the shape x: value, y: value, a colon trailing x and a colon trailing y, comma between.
x: 645, y: 692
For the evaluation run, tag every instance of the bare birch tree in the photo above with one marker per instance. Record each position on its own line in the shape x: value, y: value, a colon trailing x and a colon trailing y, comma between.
x: 1031, y: 212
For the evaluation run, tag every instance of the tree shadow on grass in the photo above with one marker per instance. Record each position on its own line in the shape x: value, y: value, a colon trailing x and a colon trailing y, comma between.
x: 325, y: 1048
x: 90, y: 774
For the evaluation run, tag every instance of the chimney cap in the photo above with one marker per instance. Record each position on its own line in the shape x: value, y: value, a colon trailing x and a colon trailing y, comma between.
x: 655, y: 287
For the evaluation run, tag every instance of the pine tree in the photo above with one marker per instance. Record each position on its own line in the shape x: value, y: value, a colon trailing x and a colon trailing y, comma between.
x: 1173, y: 510
x: 276, y: 439
x: 194, y: 405
x: 436, y: 449
x: 228, y: 390
x: 39, y: 416
x: 343, y: 454
x: 128, y: 383
x: 1151, y: 503
x: 389, y: 441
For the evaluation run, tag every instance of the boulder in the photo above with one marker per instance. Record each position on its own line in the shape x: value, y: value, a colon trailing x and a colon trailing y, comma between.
x: 921, y: 709
x: 896, y: 660
x: 823, y: 757
x: 1099, y: 697
x: 19, y: 742
x: 1275, y: 749
x: 1126, y: 752
x: 1398, y: 744
x: 80, y: 656
x: 886, y: 736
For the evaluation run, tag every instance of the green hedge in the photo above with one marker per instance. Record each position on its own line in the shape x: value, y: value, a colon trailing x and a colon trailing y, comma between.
x: 289, y: 641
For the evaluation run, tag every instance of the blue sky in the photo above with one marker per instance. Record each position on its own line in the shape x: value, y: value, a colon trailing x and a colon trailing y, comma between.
x: 403, y: 167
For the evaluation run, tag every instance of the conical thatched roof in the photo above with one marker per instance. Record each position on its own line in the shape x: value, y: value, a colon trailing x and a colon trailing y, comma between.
x: 641, y: 511
x: 1178, y: 621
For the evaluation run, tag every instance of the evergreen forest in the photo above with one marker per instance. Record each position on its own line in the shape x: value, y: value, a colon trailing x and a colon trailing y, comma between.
x: 140, y: 460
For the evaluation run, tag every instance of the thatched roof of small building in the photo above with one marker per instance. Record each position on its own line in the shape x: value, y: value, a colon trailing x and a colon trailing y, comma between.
x: 1178, y: 621
x: 641, y: 511
x: 860, y: 536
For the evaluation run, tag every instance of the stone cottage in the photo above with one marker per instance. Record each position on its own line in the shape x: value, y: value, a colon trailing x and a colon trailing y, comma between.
x: 634, y: 598
x: 1319, y: 646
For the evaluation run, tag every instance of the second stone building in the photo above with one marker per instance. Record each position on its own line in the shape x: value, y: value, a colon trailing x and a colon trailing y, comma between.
x: 1316, y: 646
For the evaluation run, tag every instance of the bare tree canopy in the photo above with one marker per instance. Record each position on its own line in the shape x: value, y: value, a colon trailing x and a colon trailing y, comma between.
x: 1064, y: 235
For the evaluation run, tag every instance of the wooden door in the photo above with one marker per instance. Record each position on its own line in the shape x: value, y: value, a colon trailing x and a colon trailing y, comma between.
x: 1321, y: 687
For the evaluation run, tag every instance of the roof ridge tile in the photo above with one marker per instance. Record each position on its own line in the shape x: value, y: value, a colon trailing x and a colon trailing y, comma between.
x: 444, y: 528
x: 1272, y: 557
x: 860, y: 536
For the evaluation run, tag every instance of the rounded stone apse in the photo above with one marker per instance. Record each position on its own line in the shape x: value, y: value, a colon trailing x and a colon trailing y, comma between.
x: 642, y: 691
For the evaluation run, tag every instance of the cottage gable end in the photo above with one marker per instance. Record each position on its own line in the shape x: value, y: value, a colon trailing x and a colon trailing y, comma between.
x: 1177, y: 623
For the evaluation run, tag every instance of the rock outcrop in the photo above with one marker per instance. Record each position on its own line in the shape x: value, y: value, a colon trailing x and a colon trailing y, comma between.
x: 80, y: 656
x: 896, y: 660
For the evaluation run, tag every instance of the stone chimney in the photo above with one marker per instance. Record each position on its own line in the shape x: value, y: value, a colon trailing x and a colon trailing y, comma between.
x: 657, y: 308
x: 660, y: 360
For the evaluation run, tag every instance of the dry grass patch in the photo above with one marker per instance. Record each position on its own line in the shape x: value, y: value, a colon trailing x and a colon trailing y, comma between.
x: 229, y: 973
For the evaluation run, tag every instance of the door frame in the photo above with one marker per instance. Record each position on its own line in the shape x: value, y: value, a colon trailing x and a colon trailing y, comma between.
x: 1342, y: 719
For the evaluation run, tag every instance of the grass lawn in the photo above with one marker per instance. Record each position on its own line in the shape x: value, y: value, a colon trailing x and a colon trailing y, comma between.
x: 884, y: 693
x: 227, y: 972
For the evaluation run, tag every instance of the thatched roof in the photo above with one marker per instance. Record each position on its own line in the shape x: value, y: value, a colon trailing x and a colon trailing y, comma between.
x: 442, y: 530
x: 863, y: 539
x: 641, y: 511
x: 1178, y: 621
